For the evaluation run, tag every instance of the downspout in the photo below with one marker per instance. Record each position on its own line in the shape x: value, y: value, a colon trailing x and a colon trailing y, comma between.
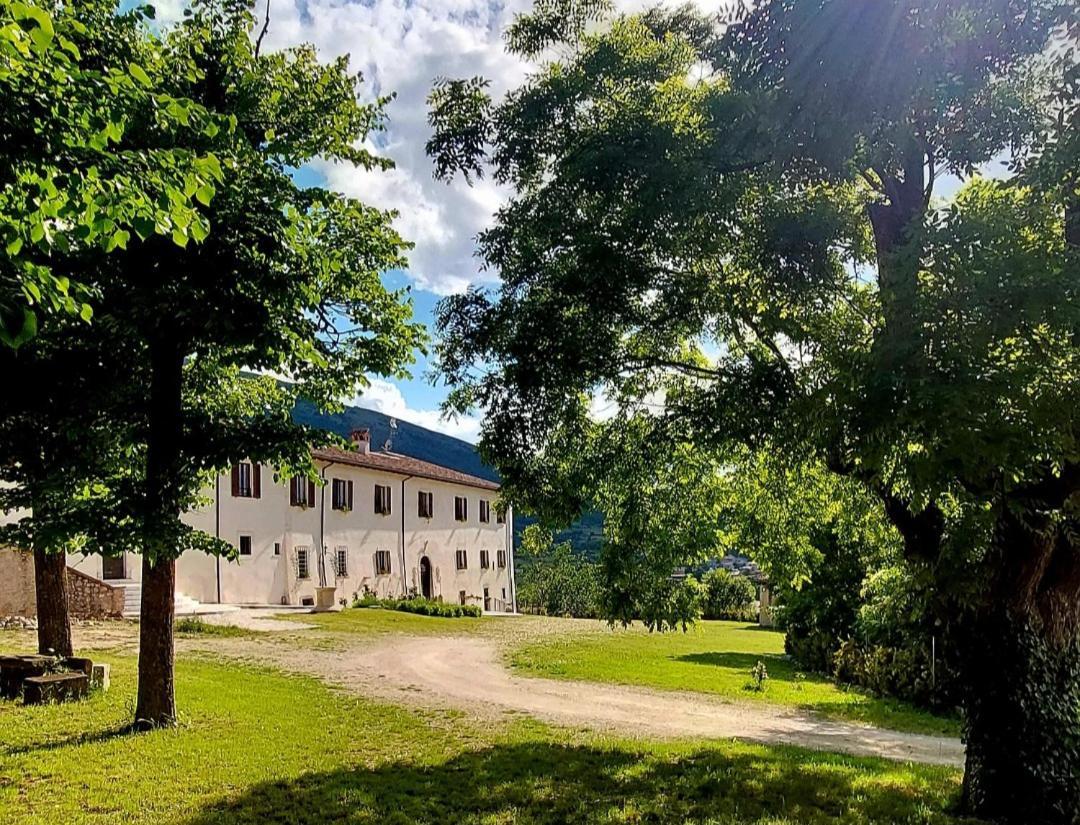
x: 217, y: 530
x: 322, y: 525
x: 404, y: 563
x: 510, y: 552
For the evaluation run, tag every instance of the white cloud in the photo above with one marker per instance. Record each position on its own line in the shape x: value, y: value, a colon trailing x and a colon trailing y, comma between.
x: 385, y: 397
x: 401, y: 46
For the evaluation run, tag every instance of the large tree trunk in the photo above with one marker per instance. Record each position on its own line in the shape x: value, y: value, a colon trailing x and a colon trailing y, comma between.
x: 1022, y: 679
x: 156, y: 704
x: 50, y: 583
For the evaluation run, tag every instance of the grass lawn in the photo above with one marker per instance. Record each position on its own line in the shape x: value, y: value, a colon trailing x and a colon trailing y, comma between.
x: 375, y: 621
x: 256, y: 746
x: 714, y: 657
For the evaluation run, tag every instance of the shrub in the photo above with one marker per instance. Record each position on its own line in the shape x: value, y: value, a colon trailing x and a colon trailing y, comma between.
x: 420, y: 606
x: 728, y: 596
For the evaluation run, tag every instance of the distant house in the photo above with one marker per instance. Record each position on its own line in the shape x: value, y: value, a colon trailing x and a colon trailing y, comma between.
x: 377, y: 522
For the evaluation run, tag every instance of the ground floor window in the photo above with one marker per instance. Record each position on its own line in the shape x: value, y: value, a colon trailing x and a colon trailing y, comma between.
x: 461, y: 596
x: 501, y: 556
x: 302, y: 569
x: 485, y: 559
x: 341, y: 561
x: 382, y: 562
x: 245, y: 545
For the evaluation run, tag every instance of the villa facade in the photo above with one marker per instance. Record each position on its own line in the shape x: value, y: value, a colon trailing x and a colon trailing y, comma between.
x: 376, y: 522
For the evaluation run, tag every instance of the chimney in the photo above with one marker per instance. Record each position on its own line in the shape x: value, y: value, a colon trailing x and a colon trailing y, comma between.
x: 361, y: 439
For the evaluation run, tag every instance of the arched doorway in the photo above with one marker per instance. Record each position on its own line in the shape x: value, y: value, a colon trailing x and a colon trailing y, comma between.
x: 425, y: 577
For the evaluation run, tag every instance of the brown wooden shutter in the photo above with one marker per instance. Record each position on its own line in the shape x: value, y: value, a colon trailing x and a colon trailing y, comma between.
x: 235, y: 480
x: 350, y: 494
x: 294, y: 492
x: 256, y: 480
x: 310, y: 493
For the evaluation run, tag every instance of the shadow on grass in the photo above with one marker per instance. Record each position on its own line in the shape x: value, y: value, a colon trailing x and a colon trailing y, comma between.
x: 127, y: 729
x: 550, y: 783
x: 739, y: 661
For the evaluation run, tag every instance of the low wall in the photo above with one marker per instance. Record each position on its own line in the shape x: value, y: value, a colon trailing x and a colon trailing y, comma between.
x: 88, y: 598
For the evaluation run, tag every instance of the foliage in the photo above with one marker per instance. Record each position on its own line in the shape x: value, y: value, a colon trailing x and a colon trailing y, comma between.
x: 728, y: 596
x: 63, y: 761
x: 732, y: 230
x: 421, y: 607
x: 759, y: 675
x: 552, y: 579
x: 194, y: 626
x: 77, y: 82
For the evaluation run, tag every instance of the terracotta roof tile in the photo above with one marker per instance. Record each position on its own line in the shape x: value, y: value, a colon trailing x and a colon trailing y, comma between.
x: 402, y: 465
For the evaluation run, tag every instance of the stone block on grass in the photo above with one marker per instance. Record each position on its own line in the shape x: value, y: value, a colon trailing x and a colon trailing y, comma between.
x: 55, y: 687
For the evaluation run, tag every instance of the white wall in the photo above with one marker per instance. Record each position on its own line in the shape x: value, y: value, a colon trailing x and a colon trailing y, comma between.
x: 266, y: 578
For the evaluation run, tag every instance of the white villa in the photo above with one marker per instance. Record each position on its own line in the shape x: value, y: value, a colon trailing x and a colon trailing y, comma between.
x: 383, y: 523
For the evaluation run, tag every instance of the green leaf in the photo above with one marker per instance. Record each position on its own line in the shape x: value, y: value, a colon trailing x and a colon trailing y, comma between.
x: 144, y: 227
x: 140, y: 74
x: 14, y: 246
x: 204, y: 194
x: 180, y: 237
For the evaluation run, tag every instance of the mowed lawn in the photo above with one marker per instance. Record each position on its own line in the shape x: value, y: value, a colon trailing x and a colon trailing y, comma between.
x: 714, y: 657
x: 257, y: 746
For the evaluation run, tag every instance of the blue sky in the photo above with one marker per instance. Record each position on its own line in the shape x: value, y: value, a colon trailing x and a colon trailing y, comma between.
x: 401, y: 46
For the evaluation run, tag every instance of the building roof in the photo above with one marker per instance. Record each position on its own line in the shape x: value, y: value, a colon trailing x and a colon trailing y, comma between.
x: 401, y: 465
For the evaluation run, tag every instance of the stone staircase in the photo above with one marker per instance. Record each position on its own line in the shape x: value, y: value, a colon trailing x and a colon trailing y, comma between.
x: 133, y: 598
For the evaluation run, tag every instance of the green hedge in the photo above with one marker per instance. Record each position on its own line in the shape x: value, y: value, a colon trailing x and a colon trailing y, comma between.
x: 421, y: 606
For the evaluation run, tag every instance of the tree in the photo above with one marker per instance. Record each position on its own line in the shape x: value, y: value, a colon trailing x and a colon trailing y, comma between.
x: 552, y: 580
x: 740, y: 221
x: 72, y: 78
x: 263, y: 276
x: 73, y: 74
x: 726, y: 595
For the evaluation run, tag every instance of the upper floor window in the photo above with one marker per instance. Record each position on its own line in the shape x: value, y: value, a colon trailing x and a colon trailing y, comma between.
x: 485, y: 511
x: 485, y: 559
x: 246, y: 480
x: 462, y: 560
x: 342, y: 494
x: 382, y: 499
x: 382, y: 562
x: 245, y: 545
x: 425, y: 505
x: 501, y: 557
x: 461, y: 508
x: 301, y: 492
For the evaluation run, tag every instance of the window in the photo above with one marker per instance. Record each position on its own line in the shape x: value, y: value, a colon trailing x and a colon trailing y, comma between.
x: 425, y: 506
x: 301, y: 492
x: 485, y: 511
x: 382, y: 499
x: 485, y: 559
x: 245, y: 545
x: 342, y: 494
x: 487, y: 600
x: 462, y: 559
x: 504, y: 594
x: 246, y: 480
x: 341, y: 561
x: 501, y: 557
x: 302, y: 571
x: 500, y: 515
x: 461, y: 508
x: 382, y: 562
x: 461, y: 596
x: 277, y: 548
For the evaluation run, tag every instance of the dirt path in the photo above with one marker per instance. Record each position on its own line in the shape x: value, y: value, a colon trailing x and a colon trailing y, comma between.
x: 467, y: 674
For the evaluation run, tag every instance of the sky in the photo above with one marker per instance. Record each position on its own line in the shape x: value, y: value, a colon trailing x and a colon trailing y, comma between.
x: 401, y: 46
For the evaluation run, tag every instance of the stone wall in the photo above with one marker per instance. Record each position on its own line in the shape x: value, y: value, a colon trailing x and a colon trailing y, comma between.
x: 17, y: 583
x: 88, y: 598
